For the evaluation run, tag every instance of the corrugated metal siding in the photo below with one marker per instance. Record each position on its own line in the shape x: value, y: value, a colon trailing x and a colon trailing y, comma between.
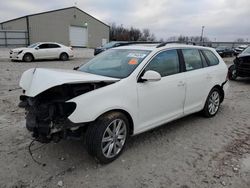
x: 54, y: 26
x: 49, y: 27
x: 18, y: 24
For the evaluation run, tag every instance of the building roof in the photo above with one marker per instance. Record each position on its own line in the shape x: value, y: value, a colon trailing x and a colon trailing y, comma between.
x: 54, y: 11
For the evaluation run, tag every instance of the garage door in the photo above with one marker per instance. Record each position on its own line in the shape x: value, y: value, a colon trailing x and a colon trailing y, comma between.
x: 78, y: 36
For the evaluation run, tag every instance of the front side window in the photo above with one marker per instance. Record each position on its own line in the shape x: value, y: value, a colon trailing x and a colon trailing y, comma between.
x: 213, y: 60
x: 192, y: 59
x: 33, y: 45
x: 117, y: 63
x: 43, y: 46
x: 166, y: 63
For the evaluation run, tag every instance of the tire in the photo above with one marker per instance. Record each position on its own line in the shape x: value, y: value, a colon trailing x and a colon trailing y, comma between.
x: 64, y: 56
x: 28, y: 57
x: 212, y: 104
x: 102, y: 142
x: 232, y: 73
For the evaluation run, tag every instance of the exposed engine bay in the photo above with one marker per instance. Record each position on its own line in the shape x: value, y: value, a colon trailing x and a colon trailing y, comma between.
x: 47, y: 113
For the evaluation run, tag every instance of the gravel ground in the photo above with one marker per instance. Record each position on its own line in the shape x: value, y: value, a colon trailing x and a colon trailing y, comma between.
x: 190, y: 152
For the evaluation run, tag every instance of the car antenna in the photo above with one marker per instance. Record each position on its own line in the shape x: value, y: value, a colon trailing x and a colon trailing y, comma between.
x: 35, y: 66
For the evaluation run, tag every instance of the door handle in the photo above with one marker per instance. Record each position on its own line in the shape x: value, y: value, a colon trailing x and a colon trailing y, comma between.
x: 180, y: 84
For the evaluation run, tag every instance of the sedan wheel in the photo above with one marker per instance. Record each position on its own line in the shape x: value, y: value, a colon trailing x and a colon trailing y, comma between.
x: 64, y: 57
x: 27, y: 58
x: 106, y: 138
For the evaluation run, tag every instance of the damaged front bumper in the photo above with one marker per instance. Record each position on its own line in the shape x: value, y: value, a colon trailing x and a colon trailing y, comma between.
x: 49, y: 121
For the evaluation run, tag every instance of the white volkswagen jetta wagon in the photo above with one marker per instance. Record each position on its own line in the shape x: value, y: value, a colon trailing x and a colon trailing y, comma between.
x: 122, y: 92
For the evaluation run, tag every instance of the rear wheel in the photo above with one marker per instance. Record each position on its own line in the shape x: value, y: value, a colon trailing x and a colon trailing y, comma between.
x: 212, y: 104
x: 64, y: 56
x: 28, y: 58
x: 106, y: 138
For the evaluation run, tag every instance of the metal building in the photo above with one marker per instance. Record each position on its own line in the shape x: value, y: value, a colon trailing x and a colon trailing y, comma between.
x: 69, y: 26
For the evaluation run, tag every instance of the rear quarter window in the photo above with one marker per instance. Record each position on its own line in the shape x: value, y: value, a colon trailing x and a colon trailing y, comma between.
x: 192, y: 59
x: 213, y: 60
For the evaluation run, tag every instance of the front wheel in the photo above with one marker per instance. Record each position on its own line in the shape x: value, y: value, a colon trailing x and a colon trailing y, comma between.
x: 232, y: 73
x: 212, y: 103
x: 28, y: 58
x: 106, y: 138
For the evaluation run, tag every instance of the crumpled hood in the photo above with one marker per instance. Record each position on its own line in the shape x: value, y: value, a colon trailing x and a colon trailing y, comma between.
x: 18, y: 49
x: 37, y: 80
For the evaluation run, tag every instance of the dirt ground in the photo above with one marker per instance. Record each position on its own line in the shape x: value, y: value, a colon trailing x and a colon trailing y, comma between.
x: 191, y: 152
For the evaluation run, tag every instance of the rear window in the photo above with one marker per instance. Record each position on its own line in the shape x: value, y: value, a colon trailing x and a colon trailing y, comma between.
x: 192, y: 59
x: 213, y: 60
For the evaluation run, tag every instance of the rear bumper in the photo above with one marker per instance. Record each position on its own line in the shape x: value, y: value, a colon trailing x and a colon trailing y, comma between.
x: 225, y: 86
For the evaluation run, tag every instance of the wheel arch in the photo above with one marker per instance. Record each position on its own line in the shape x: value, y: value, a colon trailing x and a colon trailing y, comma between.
x: 130, y: 119
x: 63, y: 52
x: 222, y: 93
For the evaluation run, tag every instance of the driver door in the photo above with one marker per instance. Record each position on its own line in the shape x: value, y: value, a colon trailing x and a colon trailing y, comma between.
x: 41, y: 52
x: 161, y: 101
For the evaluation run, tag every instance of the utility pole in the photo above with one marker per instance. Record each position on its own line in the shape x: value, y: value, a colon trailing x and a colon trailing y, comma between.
x: 202, y: 31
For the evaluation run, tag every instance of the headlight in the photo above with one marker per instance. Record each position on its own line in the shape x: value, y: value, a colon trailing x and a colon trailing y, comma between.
x: 20, y: 52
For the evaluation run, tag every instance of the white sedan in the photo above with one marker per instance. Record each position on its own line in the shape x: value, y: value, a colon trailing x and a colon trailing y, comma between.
x: 42, y: 50
x: 122, y: 92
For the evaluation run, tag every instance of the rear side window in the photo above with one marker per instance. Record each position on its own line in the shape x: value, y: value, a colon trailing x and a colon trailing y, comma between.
x: 53, y: 46
x: 213, y: 60
x: 192, y: 59
x: 166, y: 63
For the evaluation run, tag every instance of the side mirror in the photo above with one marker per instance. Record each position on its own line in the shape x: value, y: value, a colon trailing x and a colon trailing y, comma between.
x: 151, y: 76
x: 76, y: 68
x: 36, y: 48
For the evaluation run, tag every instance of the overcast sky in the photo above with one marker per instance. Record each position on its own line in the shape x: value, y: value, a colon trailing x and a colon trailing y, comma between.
x: 224, y: 20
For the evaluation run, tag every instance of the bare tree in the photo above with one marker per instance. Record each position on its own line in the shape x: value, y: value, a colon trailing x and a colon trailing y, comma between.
x: 120, y: 33
x: 240, y: 40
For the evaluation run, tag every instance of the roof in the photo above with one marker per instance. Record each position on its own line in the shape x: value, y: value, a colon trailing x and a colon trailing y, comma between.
x: 54, y: 11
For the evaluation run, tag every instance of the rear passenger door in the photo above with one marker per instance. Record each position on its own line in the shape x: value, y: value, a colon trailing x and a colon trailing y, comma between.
x: 53, y: 50
x: 196, y: 76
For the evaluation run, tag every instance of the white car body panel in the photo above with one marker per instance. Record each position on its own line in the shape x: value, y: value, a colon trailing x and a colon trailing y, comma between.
x: 49, y: 53
x: 152, y: 97
x: 37, y: 80
x: 149, y: 103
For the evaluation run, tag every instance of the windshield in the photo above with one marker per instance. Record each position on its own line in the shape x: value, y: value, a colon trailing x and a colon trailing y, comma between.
x: 33, y: 45
x: 116, y: 63
x: 246, y: 51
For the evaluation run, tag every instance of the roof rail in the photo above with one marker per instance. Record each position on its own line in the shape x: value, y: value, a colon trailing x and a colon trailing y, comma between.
x: 172, y: 42
x: 138, y: 42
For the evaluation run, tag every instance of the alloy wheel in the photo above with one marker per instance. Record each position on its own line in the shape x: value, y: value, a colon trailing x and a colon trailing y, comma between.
x: 114, y: 138
x: 214, y: 103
